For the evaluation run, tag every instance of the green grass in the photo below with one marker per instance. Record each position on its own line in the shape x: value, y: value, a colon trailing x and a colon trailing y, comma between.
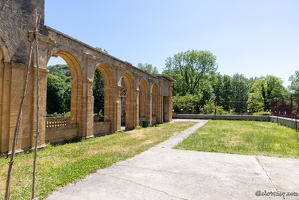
x: 244, y: 137
x: 62, y: 164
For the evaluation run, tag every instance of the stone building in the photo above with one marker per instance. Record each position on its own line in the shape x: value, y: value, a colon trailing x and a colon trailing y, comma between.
x: 131, y: 95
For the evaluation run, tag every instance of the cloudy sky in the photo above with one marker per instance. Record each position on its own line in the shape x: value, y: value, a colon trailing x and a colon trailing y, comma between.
x: 251, y: 37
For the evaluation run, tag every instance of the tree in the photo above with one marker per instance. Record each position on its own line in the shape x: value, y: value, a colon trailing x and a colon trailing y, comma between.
x: 56, y: 90
x: 190, y: 69
x: 263, y: 91
x: 98, y: 88
x: 294, y: 87
x: 98, y: 92
x: 148, y: 68
x: 223, y: 91
x: 255, y: 99
x: 61, y: 70
x: 188, y: 103
x: 240, y: 91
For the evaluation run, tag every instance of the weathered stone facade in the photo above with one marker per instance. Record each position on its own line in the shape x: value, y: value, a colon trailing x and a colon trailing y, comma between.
x: 148, y: 97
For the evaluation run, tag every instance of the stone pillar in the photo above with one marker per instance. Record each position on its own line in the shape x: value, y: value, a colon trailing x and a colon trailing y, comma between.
x: 13, y: 81
x: 86, y: 122
x: 5, y: 105
x: 42, y: 105
x: 112, y: 107
x: 136, y: 107
x: 160, y: 105
x: 149, y: 102
x: 170, y: 103
x: 150, y: 105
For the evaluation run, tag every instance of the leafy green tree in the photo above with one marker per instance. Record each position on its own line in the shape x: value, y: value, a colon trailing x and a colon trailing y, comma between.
x: 263, y: 91
x: 255, y: 99
x: 61, y: 70
x: 240, y: 90
x: 98, y: 88
x: 149, y: 68
x: 226, y: 92
x: 294, y: 87
x: 188, y: 103
x: 56, y: 89
x: 190, y: 69
x: 223, y: 91
x: 98, y: 92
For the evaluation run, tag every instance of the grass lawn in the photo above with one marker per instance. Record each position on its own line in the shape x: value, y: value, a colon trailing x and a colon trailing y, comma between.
x: 244, y: 137
x: 62, y: 164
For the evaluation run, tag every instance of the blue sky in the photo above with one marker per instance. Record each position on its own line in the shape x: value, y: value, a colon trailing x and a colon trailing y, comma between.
x: 251, y: 37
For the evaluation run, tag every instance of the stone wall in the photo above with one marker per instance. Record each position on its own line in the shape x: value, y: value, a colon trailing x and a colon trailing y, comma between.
x: 292, y: 123
x: 222, y: 117
x: 17, y: 18
x: 101, y: 128
x: 61, y: 134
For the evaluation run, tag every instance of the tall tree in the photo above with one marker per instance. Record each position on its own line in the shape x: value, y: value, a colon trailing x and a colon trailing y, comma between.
x: 98, y: 88
x: 264, y: 90
x: 149, y: 68
x: 223, y: 91
x: 255, y: 98
x: 294, y: 87
x: 98, y: 92
x: 191, y: 69
x: 240, y: 91
x: 56, y: 90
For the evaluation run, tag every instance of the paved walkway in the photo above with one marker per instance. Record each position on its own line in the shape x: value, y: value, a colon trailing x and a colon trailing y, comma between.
x: 166, y: 173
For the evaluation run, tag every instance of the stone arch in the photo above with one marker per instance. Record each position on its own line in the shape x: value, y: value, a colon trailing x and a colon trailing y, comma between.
x: 76, y: 84
x: 155, y: 103
x: 130, y: 117
x: 143, y: 101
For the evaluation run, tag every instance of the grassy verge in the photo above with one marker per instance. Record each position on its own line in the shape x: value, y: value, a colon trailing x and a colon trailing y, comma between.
x: 244, y: 137
x: 59, y: 165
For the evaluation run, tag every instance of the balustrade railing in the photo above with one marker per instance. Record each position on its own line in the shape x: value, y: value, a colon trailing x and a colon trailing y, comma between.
x: 54, y: 122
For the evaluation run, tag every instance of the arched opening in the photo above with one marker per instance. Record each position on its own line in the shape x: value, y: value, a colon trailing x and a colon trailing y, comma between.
x: 143, y: 101
x: 103, y: 100
x: 65, y: 81
x: 58, y: 88
x: 127, y: 102
x: 155, y: 105
x: 123, y: 95
x: 99, y: 96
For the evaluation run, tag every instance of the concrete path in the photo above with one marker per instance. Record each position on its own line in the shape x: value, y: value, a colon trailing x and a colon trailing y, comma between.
x: 166, y: 173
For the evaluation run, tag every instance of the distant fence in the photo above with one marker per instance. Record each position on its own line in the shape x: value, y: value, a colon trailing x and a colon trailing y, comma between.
x: 285, y: 107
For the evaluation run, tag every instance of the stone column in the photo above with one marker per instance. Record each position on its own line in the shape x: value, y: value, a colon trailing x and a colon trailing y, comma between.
x: 5, y: 105
x: 160, y: 105
x: 170, y: 103
x: 135, y: 108
x: 42, y: 105
x: 149, y: 102
x: 86, y: 121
